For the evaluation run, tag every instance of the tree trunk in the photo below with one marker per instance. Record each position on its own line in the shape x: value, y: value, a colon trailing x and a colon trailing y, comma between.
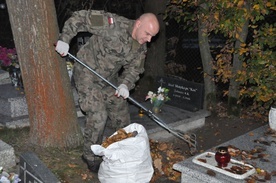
x: 233, y: 96
x: 52, y: 113
x: 156, y: 53
x: 206, y: 57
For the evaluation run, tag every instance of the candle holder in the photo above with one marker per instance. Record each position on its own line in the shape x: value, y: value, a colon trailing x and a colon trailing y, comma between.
x: 222, y: 156
x: 141, y: 112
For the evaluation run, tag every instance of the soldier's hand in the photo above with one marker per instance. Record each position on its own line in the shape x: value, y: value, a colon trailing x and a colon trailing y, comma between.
x: 122, y: 91
x: 62, y: 48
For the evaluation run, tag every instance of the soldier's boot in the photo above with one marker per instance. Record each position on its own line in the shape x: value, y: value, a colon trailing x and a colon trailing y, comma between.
x: 93, y: 164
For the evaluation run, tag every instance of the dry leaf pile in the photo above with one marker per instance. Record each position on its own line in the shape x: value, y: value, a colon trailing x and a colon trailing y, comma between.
x: 164, y: 156
x: 120, y: 135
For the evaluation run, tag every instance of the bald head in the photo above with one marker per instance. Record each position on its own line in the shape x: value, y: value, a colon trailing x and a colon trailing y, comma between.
x: 151, y: 19
x: 145, y: 27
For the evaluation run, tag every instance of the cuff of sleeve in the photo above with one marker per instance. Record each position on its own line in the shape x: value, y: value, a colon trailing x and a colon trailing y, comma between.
x: 128, y: 84
x: 65, y: 38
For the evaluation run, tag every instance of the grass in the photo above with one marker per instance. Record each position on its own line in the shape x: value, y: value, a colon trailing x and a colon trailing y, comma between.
x: 14, y: 137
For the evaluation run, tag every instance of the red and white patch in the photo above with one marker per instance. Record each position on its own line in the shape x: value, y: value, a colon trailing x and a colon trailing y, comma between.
x: 110, y: 20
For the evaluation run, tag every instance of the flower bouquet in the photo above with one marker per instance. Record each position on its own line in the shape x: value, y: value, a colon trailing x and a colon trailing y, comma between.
x: 159, y: 98
x: 6, y: 177
x: 8, y: 59
x: 9, y: 63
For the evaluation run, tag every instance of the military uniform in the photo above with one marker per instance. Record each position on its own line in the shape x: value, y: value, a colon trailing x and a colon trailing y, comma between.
x: 110, y: 48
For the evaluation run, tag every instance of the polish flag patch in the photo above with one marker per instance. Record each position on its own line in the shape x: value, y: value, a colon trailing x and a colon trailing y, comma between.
x: 110, y: 20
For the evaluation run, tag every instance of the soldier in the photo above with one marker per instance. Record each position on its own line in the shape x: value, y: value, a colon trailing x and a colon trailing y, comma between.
x: 117, y: 51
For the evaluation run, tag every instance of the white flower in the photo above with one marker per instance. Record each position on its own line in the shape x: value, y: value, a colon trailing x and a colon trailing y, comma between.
x: 160, y: 97
x: 150, y: 93
x: 160, y: 90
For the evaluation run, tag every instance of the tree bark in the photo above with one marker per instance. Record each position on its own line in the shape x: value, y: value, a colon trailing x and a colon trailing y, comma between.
x: 52, y: 112
x: 206, y: 57
x: 156, y: 53
x: 233, y: 96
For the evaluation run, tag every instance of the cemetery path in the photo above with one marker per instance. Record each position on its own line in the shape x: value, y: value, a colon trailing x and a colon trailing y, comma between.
x: 218, y: 130
x: 69, y: 168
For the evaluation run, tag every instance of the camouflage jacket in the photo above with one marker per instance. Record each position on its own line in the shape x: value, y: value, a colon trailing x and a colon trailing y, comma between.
x: 111, y: 46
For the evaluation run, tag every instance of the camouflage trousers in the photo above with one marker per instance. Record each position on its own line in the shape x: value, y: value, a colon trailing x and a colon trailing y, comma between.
x: 99, y: 104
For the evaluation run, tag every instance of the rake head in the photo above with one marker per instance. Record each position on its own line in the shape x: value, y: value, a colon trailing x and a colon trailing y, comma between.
x: 190, y: 139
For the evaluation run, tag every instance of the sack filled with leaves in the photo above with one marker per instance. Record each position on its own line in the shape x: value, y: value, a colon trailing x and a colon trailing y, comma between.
x: 126, y: 156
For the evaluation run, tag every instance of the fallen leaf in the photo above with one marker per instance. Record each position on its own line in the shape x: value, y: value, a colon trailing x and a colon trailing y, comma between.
x: 261, y: 141
x: 267, y: 176
x: 84, y: 176
x: 251, y: 134
x: 72, y: 165
x: 217, y: 133
x: 202, y: 160
x: 158, y: 164
x: 162, y: 146
x: 260, y: 171
x: 211, y: 173
x: 273, y: 173
x: 264, y: 160
x: 170, y: 153
x: 251, y: 180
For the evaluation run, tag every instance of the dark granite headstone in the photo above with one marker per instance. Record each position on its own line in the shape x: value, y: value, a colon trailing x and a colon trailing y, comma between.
x: 32, y: 170
x: 184, y: 94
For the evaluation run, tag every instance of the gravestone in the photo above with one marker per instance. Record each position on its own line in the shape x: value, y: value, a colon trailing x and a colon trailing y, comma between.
x: 32, y: 170
x: 184, y: 94
x: 258, y: 139
x: 7, y: 156
x: 4, y: 77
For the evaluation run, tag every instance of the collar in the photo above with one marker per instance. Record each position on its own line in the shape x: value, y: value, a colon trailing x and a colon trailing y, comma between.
x: 130, y: 28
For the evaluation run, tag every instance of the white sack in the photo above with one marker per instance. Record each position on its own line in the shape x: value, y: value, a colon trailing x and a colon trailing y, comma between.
x: 126, y: 161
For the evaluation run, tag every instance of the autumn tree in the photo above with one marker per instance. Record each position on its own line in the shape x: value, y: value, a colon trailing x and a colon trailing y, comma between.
x: 188, y: 14
x: 233, y: 19
x: 258, y: 74
x: 239, y: 54
x: 52, y: 113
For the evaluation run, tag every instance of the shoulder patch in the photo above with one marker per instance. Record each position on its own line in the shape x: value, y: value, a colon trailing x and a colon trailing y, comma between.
x: 97, y: 18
